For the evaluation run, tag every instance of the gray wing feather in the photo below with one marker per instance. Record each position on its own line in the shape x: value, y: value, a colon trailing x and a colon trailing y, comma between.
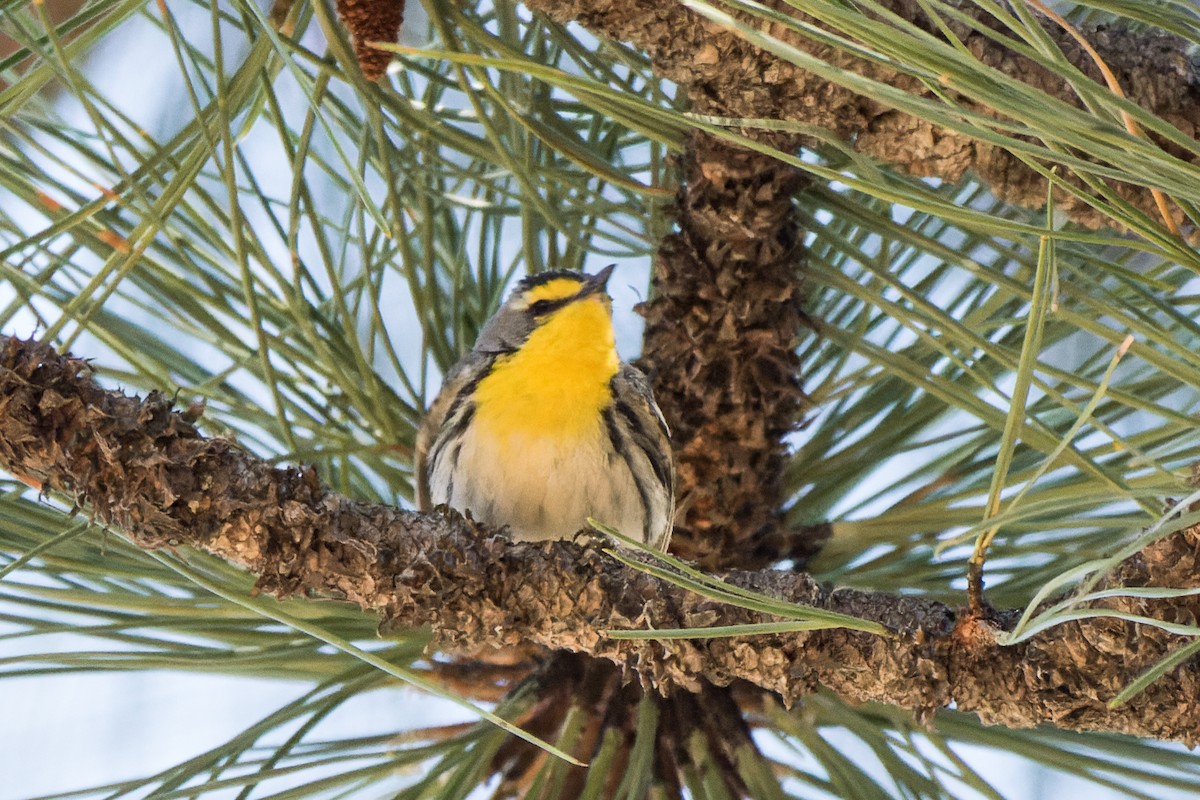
x: 637, y: 380
x: 434, y: 419
x: 640, y: 393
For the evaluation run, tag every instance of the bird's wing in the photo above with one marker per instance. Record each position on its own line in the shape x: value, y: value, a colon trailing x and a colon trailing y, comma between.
x: 452, y: 386
x: 640, y: 393
x: 636, y: 380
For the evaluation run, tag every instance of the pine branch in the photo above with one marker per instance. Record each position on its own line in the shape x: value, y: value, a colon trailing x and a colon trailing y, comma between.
x: 720, y: 343
x: 728, y: 76
x: 140, y: 466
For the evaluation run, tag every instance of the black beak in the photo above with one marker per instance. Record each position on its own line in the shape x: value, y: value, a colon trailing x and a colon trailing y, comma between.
x: 599, y: 281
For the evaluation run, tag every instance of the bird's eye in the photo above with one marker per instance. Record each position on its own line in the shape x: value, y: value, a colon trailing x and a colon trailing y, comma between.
x: 540, y: 307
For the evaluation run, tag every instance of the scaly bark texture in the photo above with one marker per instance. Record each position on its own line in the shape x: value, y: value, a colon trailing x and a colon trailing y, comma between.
x: 727, y: 76
x: 698, y: 734
x: 139, y: 465
x: 720, y: 343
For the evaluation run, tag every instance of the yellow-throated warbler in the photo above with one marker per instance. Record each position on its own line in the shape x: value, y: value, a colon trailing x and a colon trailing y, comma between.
x: 541, y: 425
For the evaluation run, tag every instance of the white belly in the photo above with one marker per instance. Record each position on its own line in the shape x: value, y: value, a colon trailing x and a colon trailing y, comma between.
x: 542, y: 488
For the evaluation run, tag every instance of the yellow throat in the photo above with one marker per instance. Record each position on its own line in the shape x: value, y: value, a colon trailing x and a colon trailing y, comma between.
x: 556, y: 384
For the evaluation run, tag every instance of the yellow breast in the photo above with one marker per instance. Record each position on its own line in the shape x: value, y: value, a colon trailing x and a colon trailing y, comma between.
x: 557, y: 383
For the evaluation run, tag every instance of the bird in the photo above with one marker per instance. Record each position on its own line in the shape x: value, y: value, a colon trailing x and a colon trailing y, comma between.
x: 541, y: 425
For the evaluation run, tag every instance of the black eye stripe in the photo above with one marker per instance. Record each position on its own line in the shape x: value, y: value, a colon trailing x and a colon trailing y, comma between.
x: 546, y: 306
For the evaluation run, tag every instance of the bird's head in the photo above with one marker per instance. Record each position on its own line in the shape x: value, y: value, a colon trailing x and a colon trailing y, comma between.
x: 540, y: 300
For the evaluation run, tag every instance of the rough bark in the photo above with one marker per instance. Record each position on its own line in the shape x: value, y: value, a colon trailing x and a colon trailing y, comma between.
x: 139, y: 465
x: 726, y: 76
x: 720, y: 343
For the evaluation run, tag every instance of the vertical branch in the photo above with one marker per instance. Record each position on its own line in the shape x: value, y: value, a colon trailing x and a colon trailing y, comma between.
x: 721, y: 331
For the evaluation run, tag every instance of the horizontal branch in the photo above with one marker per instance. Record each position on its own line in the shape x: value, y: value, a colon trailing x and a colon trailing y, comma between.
x: 726, y: 76
x: 145, y: 468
